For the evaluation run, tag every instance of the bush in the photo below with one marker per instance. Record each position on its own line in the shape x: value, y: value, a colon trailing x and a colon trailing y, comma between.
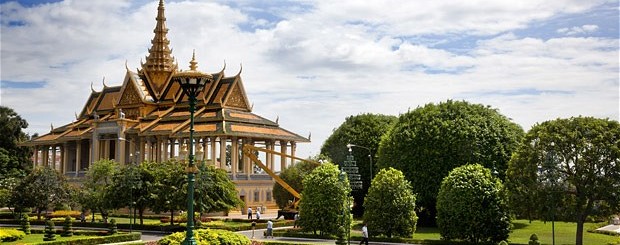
x: 390, y: 205
x: 67, y: 228
x: 24, y: 223
x: 50, y: 233
x: 65, y: 213
x: 99, y: 240
x: 471, y: 195
x: 207, y: 236
x: 533, y: 240
x: 112, y: 229
x: 9, y: 235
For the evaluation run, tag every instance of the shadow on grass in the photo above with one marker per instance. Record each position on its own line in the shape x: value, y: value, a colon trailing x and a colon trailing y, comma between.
x: 516, y: 226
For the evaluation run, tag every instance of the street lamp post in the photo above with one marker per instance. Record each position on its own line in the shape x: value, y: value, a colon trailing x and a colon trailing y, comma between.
x: 369, y: 155
x: 192, y: 82
x: 548, y: 174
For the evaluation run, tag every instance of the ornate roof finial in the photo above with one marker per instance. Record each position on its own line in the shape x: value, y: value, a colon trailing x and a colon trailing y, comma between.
x: 240, y: 69
x: 310, y: 136
x: 277, y: 119
x: 160, y: 55
x: 51, y: 127
x: 193, y: 63
x: 103, y: 81
x: 91, y: 87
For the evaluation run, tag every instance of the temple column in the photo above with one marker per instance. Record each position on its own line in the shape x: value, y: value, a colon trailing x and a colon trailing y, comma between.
x: 213, y: 152
x: 35, y: 157
x: 172, y: 144
x: 64, y: 155
x: 78, y: 157
x: 53, y: 163
x: 121, y: 152
x: 94, y: 151
x: 234, y: 155
x: 247, y: 164
x: 272, y: 157
x: 90, y: 152
x: 283, y: 146
x: 293, y: 149
x: 45, y: 156
x: 223, y: 153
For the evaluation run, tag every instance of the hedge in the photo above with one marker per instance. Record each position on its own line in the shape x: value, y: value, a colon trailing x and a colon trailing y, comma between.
x: 101, y: 239
x: 9, y: 235
x: 207, y: 236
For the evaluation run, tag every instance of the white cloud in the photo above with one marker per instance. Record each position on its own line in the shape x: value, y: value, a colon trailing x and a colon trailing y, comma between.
x: 316, y: 66
x: 578, y: 30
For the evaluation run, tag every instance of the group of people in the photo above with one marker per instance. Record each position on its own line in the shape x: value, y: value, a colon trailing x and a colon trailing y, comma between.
x: 258, y: 210
x: 269, y: 223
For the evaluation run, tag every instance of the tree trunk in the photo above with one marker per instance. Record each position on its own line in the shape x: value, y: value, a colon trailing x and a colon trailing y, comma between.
x: 171, y: 217
x: 579, y: 236
x: 141, y: 212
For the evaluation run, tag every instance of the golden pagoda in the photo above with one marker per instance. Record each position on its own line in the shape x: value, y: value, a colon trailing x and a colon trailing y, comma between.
x: 147, y: 119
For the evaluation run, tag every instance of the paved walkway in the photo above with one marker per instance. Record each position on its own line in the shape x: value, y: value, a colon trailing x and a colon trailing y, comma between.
x: 615, y: 228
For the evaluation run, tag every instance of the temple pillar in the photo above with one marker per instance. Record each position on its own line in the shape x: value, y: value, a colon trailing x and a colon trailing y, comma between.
x: 35, y: 157
x: 45, y: 156
x: 213, y: 152
x: 223, y: 153
x: 121, y: 152
x: 234, y: 155
x: 272, y: 157
x: 283, y: 146
x: 78, y: 157
x: 293, y: 149
x: 64, y: 155
x: 171, y: 144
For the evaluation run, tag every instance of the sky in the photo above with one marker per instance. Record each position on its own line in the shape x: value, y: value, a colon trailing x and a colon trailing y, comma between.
x: 313, y: 63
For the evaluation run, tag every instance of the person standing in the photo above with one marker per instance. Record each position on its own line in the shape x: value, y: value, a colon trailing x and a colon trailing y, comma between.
x: 257, y: 214
x: 296, y: 218
x: 364, y: 235
x: 269, y: 229
x: 250, y: 213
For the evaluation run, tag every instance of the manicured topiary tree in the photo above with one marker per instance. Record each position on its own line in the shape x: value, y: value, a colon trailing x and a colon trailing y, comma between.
x: 323, y: 205
x: 67, y: 228
x: 534, y: 240
x: 112, y: 228
x: 471, y: 206
x: 390, y: 205
x: 24, y: 223
x: 50, y: 232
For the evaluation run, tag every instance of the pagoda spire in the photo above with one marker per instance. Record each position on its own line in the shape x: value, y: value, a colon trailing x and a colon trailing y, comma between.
x: 160, y: 56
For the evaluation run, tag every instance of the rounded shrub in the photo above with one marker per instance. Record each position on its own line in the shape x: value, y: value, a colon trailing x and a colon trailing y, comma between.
x: 471, y: 206
x: 207, y: 236
x: 9, y: 235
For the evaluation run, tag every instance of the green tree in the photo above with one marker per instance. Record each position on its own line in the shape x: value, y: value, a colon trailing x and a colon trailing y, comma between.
x: 50, y: 231
x: 14, y: 159
x: 573, y: 162
x: 471, y: 206
x: 325, y: 198
x: 132, y: 184
x: 7, y: 185
x: 169, y: 188
x: 293, y: 176
x: 42, y: 189
x: 363, y: 130
x: 430, y: 141
x: 95, y: 186
x: 390, y: 205
x: 214, y: 191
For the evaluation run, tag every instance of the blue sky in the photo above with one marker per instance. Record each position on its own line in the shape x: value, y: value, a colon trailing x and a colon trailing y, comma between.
x: 313, y: 63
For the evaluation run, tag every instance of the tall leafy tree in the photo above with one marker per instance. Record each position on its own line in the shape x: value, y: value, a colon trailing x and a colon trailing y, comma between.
x: 95, y: 186
x: 14, y: 159
x: 430, y: 141
x: 42, y: 189
x: 575, y: 162
x: 471, y: 206
x: 390, y: 205
x: 363, y: 130
x: 132, y: 184
x: 214, y: 191
x: 169, y: 188
x: 293, y: 176
x: 323, y: 207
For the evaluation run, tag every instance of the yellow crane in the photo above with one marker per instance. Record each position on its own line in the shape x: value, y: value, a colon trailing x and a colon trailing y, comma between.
x: 249, y: 151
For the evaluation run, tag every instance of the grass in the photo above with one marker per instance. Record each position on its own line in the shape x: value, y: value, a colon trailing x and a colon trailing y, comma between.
x: 522, y: 229
x: 564, y: 233
x: 38, y: 238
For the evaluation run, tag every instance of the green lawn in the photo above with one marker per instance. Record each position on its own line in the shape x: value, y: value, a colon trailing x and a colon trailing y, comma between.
x: 564, y: 233
x: 38, y: 238
x: 522, y: 229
